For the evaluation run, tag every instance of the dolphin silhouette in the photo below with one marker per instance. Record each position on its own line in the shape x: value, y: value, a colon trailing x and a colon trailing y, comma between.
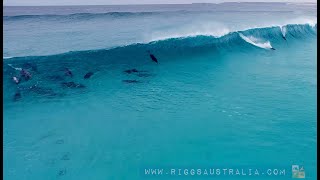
x: 153, y: 58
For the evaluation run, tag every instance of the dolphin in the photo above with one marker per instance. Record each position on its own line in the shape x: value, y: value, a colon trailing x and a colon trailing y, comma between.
x: 26, y: 74
x: 68, y: 72
x: 43, y: 91
x: 143, y: 75
x: 130, y: 81
x: 88, y: 75
x: 31, y: 66
x: 72, y: 85
x: 153, y: 58
x: 17, y: 96
x: 129, y: 71
x: 55, y: 78
x: 66, y: 157
x: 62, y: 172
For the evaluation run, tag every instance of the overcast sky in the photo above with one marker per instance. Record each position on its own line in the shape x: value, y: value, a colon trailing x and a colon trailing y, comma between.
x: 106, y: 2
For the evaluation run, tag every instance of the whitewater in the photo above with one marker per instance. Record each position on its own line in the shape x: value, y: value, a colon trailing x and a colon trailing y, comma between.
x: 234, y: 87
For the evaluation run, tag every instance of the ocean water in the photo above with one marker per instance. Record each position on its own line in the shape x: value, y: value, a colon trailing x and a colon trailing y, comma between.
x: 234, y: 87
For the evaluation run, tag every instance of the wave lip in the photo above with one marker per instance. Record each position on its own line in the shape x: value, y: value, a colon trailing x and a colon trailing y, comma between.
x: 192, y: 32
x: 7, y: 57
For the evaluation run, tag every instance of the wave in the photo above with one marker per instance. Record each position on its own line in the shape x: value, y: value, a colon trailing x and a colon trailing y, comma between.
x: 218, y: 29
x: 256, y: 38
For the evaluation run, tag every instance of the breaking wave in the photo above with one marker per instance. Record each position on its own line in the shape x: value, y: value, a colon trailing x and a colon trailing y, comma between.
x: 257, y: 38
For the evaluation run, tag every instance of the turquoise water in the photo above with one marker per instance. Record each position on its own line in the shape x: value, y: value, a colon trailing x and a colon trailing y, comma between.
x: 226, y: 101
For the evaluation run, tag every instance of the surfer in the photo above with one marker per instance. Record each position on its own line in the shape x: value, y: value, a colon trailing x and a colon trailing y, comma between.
x: 153, y: 58
x: 272, y: 48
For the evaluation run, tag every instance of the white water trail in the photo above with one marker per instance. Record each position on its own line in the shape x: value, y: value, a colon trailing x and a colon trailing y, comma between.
x: 254, y: 41
x: 283, y: 30
x: 18, y: 69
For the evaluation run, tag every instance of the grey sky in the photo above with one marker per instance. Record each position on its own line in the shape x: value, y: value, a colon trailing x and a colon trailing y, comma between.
x: 106, y: 2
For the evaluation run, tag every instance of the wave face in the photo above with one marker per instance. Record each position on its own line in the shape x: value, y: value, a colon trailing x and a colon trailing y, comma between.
x: 136, y: 55
x: 264, y: 38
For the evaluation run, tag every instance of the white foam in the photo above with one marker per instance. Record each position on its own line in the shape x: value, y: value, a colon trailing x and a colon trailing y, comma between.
x: 209, y: 29
x: 256, y: 42
x: 311, y: 21
x: 283, y: 30
x: 304, y: 20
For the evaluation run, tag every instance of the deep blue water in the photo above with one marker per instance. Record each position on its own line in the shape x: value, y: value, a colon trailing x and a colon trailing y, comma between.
x: 219, y: 96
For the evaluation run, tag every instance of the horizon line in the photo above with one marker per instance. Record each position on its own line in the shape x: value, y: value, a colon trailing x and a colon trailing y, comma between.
x: 282, y: 2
